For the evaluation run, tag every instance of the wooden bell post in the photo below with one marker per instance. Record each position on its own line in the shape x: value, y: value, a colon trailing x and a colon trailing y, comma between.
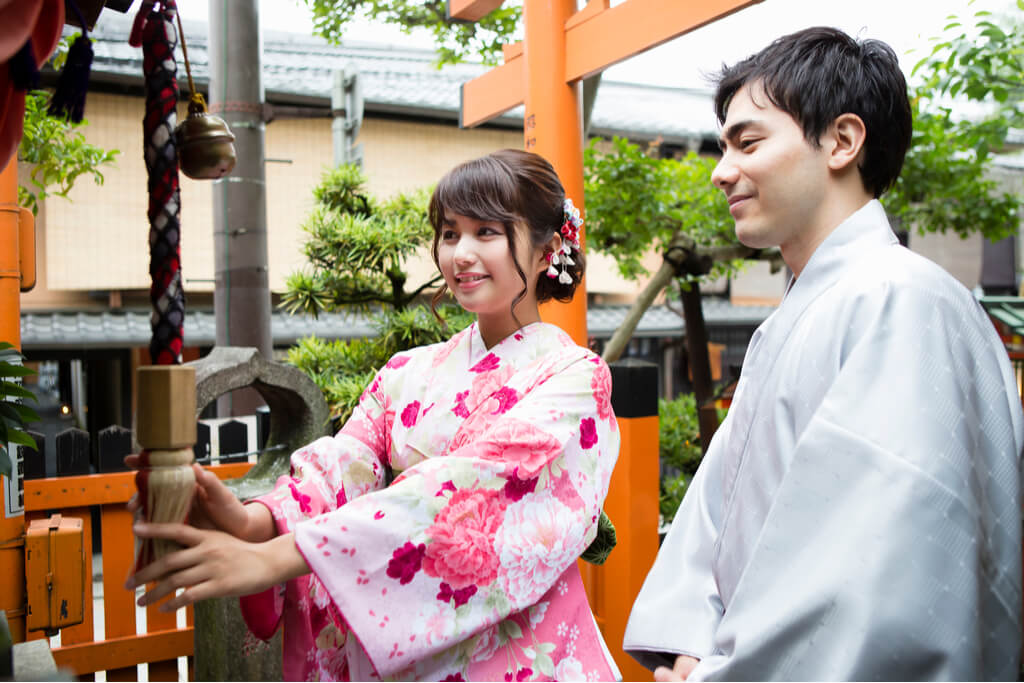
x: 166, y: 414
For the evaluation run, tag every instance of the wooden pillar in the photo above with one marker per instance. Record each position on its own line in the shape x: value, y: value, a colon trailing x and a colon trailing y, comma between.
x: 553, y: 128
x: 632, y: 505
x: 17, y: 274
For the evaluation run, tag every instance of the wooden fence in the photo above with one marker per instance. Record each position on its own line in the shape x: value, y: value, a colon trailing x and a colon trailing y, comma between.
x: 99, y: 499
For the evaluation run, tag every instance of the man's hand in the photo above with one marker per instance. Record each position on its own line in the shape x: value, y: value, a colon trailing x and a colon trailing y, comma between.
x: 679, y: 672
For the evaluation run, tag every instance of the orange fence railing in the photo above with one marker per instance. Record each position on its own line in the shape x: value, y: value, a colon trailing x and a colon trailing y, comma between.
x: 122, y: 646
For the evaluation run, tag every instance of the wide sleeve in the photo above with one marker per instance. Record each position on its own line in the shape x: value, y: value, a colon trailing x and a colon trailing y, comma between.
x: 678, y: 608
x: 459, y: 542
x: 324, y: 476
x: 892, y: 548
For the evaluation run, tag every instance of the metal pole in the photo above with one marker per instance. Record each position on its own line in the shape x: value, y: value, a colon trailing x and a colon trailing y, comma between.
x: 242, y: 289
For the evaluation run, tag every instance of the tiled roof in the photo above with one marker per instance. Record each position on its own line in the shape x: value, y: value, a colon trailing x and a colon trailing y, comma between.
x: 297, y: 69
x: 125, y: 328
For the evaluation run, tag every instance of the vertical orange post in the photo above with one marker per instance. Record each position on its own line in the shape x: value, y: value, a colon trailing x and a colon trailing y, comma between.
x: 632, y: 505
x: 12, y: 518
x: 553, y: 127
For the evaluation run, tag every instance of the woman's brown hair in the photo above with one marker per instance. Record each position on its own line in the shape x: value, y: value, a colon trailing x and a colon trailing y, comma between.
x: 510, y: 187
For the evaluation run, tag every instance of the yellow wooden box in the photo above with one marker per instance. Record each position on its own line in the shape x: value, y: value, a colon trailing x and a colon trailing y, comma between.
x: 54, y: 573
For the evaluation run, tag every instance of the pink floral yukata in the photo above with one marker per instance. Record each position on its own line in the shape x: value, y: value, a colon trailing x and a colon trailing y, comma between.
x: 464, y: 568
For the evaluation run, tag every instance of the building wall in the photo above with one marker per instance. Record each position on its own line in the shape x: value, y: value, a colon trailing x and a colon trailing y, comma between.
x: 98, y: 241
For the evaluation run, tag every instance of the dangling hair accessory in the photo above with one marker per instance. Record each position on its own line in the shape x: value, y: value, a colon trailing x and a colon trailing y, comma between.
x: 570, y: 232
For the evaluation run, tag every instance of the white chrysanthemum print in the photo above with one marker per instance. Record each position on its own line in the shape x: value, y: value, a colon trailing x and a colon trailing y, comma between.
x: 570, y: 669
x: 538, y: 539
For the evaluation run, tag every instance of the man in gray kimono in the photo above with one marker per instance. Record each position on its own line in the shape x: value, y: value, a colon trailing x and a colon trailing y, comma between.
x: 858, y: 513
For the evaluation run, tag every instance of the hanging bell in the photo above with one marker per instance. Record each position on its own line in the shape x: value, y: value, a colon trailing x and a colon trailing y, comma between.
x: 205, y: 143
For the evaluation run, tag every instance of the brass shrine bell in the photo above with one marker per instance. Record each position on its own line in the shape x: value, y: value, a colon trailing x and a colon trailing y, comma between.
x: 205, y: 149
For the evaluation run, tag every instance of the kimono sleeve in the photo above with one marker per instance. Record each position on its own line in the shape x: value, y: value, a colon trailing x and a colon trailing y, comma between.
x: 324, y: 476
x: 892, y: 548
x: 460, y: 542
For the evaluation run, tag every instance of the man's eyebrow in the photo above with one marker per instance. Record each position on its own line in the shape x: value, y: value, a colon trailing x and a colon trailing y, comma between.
x: 732, y: 132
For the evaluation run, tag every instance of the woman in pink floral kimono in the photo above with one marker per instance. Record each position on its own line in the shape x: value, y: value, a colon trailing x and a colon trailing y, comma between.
x: 502, y: 442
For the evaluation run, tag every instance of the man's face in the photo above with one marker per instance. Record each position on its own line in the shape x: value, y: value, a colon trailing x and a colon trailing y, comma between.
x: 774, y: 179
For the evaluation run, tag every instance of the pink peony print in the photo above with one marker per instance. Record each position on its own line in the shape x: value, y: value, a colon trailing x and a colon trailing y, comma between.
x: 301, y: 498
x: 588, y: 433
x: 461, y: 552
x: 539, y: 538
x: 502, y: 401
x: 601, y: 385
x: 405, y: 562
x: 487, y: 384
x: 410, y: 414
x: 460, y: 404
x: 486, y: 644
x: 521, y: 445
x: 486, y: 364
x: 515, y: 488
x: 397, y: 362
x: 461, y: 596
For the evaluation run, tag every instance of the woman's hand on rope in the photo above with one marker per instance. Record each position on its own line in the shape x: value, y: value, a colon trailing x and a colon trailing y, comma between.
x: 215, y: 506
x: 213, y: 564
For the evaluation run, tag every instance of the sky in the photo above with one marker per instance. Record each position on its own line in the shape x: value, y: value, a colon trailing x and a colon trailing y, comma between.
x: 907, y: 25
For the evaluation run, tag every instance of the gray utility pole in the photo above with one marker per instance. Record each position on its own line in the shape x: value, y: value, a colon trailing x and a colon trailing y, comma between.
x: 241, y: 297
x: 347, y: 111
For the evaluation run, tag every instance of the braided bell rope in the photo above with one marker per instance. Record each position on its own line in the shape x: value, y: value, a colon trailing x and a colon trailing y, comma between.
x: 166, y: 294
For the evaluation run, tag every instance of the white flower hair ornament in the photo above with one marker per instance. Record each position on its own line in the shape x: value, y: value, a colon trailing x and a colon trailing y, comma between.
x: 570, y: 232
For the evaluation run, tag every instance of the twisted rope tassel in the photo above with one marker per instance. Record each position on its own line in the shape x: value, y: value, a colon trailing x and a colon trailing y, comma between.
x: 159, y: 39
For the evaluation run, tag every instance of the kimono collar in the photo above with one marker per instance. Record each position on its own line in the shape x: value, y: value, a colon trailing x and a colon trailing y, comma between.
x: 540, y: 336
x: 865, y: 230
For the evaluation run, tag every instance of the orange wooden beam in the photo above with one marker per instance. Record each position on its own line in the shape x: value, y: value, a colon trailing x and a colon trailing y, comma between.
x: 597, y: 37
x: 116, y: 653
x: 489, y: 96
x: 98, y: 489
x: 610, y: 36
x: 472, y: 10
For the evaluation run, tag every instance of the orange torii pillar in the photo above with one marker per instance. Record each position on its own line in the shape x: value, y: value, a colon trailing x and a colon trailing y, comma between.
x: 561, y: 46
x: 17, y: 274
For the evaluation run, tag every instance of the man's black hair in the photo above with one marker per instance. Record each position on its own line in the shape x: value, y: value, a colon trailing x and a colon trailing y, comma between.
x: 817, y: 74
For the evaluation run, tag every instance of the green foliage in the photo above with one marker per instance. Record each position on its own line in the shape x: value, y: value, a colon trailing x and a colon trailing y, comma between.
x: 343, y: 368
x: 14, y: 416
x: 58, y: 153
x: 980, y: 61
x: 357, y: 247
x: 456, y: 40
x: 636, y: 203
x: 944, y: 184
x: 678, y: 450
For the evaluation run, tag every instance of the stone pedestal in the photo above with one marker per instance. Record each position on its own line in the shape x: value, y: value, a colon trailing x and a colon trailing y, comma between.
x: 224, y: 648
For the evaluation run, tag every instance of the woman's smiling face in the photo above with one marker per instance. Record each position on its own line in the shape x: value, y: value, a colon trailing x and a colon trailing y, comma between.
x: 478, y: 267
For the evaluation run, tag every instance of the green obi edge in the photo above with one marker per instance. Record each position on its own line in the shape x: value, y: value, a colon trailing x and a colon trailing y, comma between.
x: 599, y: 549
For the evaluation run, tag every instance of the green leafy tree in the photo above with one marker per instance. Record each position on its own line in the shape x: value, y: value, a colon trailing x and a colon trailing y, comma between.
x: 58, y: 153
x: 456, y: 40
x: 638, y: 203
x: 945, y: 184
x: 357, y: 248
x: 14, y: 415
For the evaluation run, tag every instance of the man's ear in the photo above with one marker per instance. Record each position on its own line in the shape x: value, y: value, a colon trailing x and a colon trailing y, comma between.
x: 847, y: 136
